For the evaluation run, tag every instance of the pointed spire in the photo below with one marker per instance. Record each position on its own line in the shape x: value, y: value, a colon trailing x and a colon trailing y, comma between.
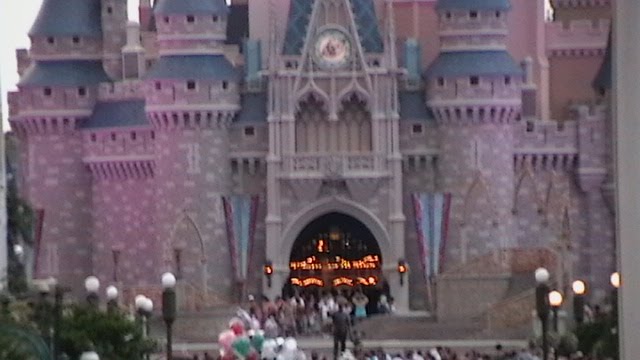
x: 602, y: 81
x: 68, y: 18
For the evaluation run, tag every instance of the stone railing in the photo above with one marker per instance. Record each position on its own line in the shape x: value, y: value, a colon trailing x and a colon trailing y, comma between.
x: 335, y: 165
x: 192, y: 298
x: 123, y: 90
x: 512, y: 311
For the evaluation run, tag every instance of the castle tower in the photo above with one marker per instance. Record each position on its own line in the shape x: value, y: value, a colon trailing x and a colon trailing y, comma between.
x: 56, y: 95
x: 114, y: 35
x: 192, y: 96
x: 474, y: 92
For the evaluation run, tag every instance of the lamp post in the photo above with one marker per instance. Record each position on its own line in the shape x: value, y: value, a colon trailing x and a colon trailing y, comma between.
x: 615, y: 282
x: 169, y: 308
x: 555, y: 300
x: 144, y: 307
x: 402, y: 269
x: 112, y: 299
x: 92, y: 286
x: 579, y: 289
x: 542, y: 306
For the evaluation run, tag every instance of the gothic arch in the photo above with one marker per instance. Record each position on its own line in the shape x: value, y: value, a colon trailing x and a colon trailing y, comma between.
x: 353, y: 92
x: 479, y: 186
x: 527, y: 176
x: 312, y: 93
x: 342, y: 205
x: 185, y: 218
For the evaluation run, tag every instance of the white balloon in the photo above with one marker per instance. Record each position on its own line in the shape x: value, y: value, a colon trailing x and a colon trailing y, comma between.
x: 290, y: 344
x: 279, y: 341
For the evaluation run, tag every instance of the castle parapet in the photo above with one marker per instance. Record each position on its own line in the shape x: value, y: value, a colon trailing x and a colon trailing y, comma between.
x: 579, y: 37
x: 546, y: 145
x: 124, y: 90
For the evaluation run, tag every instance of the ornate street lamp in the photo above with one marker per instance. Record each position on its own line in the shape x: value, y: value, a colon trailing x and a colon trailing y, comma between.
x: 542, y: 307
x: 555, y: 300
x: 169, y: 308
x: 112, y: 299
x: 579, y: 289
x: 92, y: 286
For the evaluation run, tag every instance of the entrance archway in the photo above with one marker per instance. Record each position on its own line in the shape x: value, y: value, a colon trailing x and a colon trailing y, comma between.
x: 336, y: 253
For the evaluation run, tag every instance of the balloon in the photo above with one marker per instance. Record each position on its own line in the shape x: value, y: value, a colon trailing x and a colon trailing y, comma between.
x: 226, y: 339
x: 269, y: 349
x: 237, y: 326
x: 290, y: 344
x: 253, y: 355
x: 257, y: 341
x: 279, y: 341
x: 241, y: 347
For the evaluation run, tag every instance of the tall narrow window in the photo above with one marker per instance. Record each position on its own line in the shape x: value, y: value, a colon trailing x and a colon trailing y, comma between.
x: 474, y: 80
x: 441, y: 82
x: 191, y: 85
x: 82, y: 91
x: 47, y: 91
x: 76, y: 40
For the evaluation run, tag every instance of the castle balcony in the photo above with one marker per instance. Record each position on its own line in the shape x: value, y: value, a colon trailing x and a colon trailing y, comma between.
x: 579, y: 38
x: 334, y: 166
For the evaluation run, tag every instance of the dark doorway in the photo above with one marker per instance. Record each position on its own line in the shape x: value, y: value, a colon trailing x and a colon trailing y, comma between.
x: 336, y: 253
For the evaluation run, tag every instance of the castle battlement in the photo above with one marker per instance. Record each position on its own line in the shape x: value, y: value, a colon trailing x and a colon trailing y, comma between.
x: 546, y: 136
x: 582, y: 36
x: 580, y: 3
x: 138, y: 141
x: 123, y: 90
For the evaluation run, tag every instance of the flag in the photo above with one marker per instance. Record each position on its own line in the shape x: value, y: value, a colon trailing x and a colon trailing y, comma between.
x: 432, y: 224
x: 240, y: 216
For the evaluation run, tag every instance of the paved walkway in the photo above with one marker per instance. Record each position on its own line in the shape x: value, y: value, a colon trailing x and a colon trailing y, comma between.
x: 327, y: 344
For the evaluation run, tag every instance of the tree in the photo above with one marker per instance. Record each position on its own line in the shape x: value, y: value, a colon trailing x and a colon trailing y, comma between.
x: 113, y: 336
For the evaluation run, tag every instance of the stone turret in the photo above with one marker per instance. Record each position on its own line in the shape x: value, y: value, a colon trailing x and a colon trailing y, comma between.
x: 192, y: 96
x: 114, y: 35
x: 56, y: 95
x: 474, y: 91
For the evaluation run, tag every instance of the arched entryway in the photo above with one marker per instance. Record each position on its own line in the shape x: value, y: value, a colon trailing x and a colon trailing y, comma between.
x: 336, y: 253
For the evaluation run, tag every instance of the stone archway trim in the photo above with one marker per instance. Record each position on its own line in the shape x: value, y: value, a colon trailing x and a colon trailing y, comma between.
x: 341, y: 205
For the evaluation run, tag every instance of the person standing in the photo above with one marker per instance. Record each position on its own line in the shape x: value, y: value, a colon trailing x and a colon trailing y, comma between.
x: 360, y: 301
x: 341, y: 328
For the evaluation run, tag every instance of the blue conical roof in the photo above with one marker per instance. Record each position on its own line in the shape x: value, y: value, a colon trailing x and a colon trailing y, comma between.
x: 474, y: 5
x: 467, y: 63
x: 191, y: 7
x: 68, y: 18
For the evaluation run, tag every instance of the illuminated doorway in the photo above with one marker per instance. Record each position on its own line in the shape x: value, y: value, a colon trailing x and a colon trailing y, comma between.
x: 336, y: 253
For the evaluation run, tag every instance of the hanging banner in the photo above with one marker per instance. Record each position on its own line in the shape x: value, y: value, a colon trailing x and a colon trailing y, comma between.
x: 432, y: 225
x: 240, y: 214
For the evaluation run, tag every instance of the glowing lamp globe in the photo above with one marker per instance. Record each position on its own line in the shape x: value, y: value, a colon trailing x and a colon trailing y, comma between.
x: 168, y: 280
x: 542, y: 275
x: 89, y: 355
x: 147, y: 306
x: 112, y: 292
x: 579, y: 287
x: 18, y: 250
x: 139, y: 301
x: 92, y: 284
x: 555, y: 298
x: 615, y: 279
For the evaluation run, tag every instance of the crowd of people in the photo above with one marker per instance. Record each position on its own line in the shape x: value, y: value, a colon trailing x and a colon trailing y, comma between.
x: 311, y: 314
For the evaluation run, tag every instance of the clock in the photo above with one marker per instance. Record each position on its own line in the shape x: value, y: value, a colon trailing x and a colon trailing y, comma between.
x: 332, y: 49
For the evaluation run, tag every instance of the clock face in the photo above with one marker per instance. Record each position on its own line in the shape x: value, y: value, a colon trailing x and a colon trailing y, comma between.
x: 332, y: 49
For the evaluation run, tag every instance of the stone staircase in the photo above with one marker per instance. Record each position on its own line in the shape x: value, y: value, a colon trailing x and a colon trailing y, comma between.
x: 201, y: 326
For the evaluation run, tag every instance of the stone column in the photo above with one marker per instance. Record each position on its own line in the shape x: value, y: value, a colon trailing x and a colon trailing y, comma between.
x: 627, y: 132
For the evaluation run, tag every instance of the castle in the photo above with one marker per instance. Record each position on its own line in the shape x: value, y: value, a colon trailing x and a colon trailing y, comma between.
x: 223, y: 142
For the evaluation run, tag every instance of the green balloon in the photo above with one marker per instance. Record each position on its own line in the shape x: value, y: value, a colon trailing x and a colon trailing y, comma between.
x: 241, y: 347
x: 257, y: 341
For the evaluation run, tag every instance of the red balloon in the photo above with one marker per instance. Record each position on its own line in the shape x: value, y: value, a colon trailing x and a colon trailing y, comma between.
x: 253, y: 356
x: 237, y: 327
